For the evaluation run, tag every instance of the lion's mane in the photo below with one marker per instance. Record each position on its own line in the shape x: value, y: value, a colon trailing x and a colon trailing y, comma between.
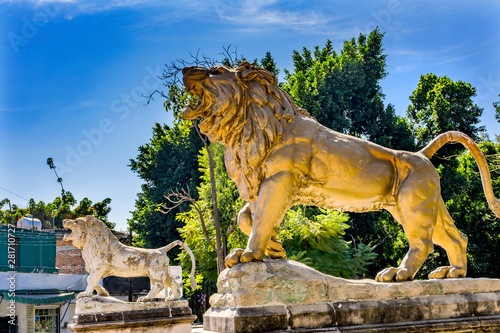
x: 251, y: 125
x: 94, y: 235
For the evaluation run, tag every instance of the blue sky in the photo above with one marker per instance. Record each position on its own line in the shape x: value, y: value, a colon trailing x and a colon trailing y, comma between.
x: 72, y: 72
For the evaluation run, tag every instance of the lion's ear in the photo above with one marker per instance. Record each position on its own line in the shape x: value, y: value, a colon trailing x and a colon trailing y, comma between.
x: 249, y: 74
x: 258, y: 73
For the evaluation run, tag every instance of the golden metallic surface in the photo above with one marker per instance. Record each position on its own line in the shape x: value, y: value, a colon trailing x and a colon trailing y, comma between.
x: 279, y: 156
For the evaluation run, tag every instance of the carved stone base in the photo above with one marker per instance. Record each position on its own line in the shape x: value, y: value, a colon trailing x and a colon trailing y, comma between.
x: 280, y: 295
x: 108, y: 314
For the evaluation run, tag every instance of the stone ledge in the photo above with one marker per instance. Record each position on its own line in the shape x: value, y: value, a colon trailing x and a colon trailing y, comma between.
x: 108, y: 314
x: 285, y: 282
x: 145, y: 324
x: 479, y: 312
x: 100, y: 304
x: 286, y: 296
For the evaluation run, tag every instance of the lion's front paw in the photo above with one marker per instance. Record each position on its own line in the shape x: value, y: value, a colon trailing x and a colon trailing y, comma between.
x: 449, y: 272
x: 249, y: 256
x: 144, y: 299
x: 233, y: 258
x: 275, y: 250
x: 241, y: 256
x: 393, y: 274
x: 83, y: 294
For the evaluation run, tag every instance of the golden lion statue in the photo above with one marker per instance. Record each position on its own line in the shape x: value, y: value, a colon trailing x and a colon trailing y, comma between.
x: 104, y: 256
x: 279, y: 156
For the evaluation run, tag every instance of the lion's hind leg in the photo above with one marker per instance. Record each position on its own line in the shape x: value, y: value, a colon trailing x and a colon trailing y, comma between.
x: 156, y: 286
x: 417, y: 211
x: 419, y: 239
x: 101, y: 291
x: 174, y: 289
x: 449, y: 237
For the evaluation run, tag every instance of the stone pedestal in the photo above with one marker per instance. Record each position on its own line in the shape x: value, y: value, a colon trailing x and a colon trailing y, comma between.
x: 108, y: 314
x: 281, y: 295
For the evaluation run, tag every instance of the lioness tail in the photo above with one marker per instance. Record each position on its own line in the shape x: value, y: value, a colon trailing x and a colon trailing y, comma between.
x: 462, y: 138
x: 191, y: 255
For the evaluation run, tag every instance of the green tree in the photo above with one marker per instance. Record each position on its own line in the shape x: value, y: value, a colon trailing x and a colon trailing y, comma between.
x: 269, y: 64
x: 55, y: 212
x: 496, y: 105
x: 167, y: 162
x: 439, y: 105
x: 228, y: 202
x: 343, y: 90
x: 317, y: 240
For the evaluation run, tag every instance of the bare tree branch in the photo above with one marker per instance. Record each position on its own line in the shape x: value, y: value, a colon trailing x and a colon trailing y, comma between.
x: 177, y: 198
x: 172, y: 73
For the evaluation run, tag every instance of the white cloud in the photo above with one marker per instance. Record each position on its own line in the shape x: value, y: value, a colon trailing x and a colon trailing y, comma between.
x: 241, y: 15
x: 256, y: 15
x: 76, y: 7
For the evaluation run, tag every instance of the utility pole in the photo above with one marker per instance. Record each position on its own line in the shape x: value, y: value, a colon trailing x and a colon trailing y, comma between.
x: 130, y: 289
x: 10, y: 210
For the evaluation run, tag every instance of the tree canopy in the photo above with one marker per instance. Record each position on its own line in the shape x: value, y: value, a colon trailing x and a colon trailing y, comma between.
x: 343, y: 92
x: 52, y: 214
x: 439, y: 105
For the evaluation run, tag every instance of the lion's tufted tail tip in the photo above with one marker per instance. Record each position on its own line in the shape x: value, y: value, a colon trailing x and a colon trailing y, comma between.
x: 193, y: 285
x: 495, y: 207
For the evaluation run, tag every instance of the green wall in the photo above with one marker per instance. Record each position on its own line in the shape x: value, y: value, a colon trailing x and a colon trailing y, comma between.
x: 35, y: 253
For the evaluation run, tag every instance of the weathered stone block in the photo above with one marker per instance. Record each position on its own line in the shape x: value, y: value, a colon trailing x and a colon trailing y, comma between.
x: 107, y: 314
x: 281, y: 295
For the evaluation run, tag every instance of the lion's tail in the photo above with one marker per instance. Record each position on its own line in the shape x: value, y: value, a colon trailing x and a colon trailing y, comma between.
x: 191, y: 255
x: 460, y: 137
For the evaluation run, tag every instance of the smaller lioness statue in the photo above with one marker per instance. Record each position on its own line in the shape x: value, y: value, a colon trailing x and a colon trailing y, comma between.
x: 104, y: 256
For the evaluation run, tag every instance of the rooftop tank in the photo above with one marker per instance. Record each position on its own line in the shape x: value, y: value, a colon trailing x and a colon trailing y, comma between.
x: 28, y: 222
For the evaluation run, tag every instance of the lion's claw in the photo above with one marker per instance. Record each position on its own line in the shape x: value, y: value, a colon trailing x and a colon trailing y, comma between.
x: 393, y: 274
x: 83, y: 294
x: 449, y: 272
x: 249, y: 256
x: 233, y: 258
x: 275, y: 250
x: 241, y: 256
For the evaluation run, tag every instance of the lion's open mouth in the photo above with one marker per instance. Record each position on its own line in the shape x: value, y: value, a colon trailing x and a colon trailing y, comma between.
x: 67, y: 225
x: 194, y: 81
x: 199, y: 109
x: 67, y: 237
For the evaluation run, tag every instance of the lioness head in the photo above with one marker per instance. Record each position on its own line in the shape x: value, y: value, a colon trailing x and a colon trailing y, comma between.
x: 78, y: 229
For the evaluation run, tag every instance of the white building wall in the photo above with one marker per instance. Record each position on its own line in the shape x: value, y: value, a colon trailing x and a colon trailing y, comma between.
x: 39, y: 281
